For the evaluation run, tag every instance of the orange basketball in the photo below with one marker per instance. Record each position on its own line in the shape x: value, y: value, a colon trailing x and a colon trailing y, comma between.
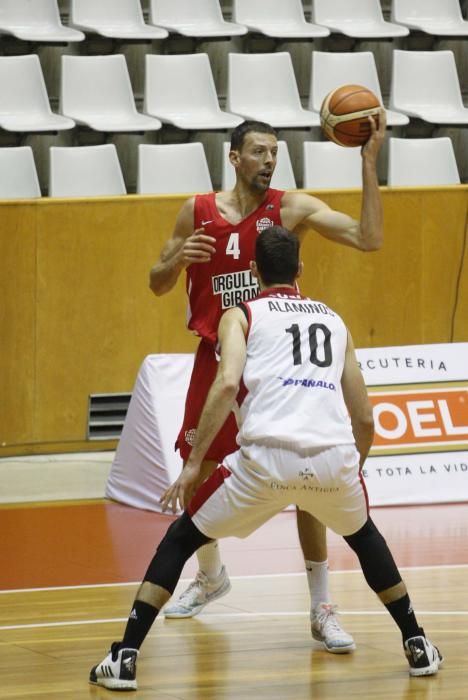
x: 344, y: 114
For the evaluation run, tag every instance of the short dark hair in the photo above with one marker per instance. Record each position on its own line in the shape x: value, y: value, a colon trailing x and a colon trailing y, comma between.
x: 277, y: 255
x: 241, y: 131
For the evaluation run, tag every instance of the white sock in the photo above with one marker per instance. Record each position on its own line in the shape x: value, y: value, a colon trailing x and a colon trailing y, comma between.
x: 317, y: 578
x: 209, y: 560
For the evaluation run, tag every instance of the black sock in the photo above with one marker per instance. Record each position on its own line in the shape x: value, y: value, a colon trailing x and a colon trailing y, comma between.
x: 139, y: 624
x: 402, y: 612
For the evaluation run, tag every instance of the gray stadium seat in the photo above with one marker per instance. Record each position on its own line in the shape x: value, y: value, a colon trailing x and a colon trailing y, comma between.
x: 96, y: 91
x: 85, y: 171
x: 329, y: 166
x: 200, y: 18
x: 117, y: 19
x: 438, y: 17
x: 422, y: 162
x: 173, y: 168
x: 263, y: 86
x: 361, y: 19
x: 24, y: 104
x: 18, y: 174
x: 277, y: 18
x: 180, y: 90
x: 37, y: 20
x: 425, y: 85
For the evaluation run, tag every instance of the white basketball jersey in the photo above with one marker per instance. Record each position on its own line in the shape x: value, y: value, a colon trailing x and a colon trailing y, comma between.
x: 295, y: 356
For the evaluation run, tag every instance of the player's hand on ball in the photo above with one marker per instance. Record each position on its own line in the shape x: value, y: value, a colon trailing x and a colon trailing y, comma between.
x: 181, y: 490
x: 376, y: 139
x: 198, y: 247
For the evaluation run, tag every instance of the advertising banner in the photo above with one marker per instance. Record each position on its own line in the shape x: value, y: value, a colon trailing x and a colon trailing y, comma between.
x: 420, y: 403
x: 419, y: 395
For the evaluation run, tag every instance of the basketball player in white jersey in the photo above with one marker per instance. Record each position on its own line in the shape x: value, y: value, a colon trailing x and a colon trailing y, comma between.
x: 306, y: 429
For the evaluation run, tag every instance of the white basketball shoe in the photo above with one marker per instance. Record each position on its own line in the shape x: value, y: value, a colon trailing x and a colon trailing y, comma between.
x: 326, y: 629
x: 199, y: 593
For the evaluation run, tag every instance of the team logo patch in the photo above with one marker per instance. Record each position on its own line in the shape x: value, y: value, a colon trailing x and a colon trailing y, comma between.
x: 306, y: 474
x: 264, y: 223
x: 190, y: 436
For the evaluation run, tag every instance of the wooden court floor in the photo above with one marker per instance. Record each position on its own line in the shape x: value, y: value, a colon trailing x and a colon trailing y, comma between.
x: 70, y: 570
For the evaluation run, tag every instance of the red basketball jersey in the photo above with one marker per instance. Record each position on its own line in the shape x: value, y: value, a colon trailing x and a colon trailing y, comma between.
x: 226, y: 280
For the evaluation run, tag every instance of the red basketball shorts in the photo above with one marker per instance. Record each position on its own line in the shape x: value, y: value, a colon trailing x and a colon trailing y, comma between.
x: 203, y: 374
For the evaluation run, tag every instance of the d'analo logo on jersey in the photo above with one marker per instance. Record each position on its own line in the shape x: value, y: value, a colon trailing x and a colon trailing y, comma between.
x: 412, y: 419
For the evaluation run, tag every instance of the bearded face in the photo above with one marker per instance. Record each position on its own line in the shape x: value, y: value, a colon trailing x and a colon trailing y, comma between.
x: 256, y: 161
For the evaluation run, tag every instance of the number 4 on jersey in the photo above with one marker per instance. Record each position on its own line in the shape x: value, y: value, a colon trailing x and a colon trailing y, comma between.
x: 232, y: 247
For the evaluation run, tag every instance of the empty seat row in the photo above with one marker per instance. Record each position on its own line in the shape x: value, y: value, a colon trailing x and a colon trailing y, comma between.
x: 363, y: 18
x: 40, y: 21
x: 86, y: 171
x: 179, y: 89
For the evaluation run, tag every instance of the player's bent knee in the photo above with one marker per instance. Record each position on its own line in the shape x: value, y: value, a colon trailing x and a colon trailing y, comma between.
x: 360, y: 538
x: 378, y: 566
x: 182, y: 536
x: 181, y: 540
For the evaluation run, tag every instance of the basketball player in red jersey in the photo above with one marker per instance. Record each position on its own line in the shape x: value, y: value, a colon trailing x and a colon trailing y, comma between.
x: 214, y: 241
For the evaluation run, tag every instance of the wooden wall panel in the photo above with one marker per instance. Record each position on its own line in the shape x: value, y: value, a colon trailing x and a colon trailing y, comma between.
x: 97, y: 318
x: 17, y: 322
x: 443, y: 250
x: 461, y: 302
x: 87, y: 321
x: 405, y: 293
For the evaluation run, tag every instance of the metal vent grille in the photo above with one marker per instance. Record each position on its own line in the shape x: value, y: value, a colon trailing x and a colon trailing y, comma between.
x: 106, y: 415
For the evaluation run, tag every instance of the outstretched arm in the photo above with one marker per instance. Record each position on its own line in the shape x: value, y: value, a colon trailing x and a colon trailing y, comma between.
x: 219, y: 402
x: 185, y: 247
x: 365, y: 234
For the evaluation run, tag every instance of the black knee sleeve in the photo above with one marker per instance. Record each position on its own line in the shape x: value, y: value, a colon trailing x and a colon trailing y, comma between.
x: 181, y: 540
x: 378, y: 565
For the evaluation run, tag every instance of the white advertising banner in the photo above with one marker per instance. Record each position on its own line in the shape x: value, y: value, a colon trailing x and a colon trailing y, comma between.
x: 146, y: 462
x: 420, y: 402
x: 419, y: 395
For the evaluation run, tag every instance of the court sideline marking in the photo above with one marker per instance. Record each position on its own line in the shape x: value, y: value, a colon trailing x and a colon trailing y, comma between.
x: 226, y: 615
x: 221, y: 616
x: 249, y: 577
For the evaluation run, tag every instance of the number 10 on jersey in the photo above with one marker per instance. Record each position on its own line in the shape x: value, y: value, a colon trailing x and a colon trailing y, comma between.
x: 319, y: 336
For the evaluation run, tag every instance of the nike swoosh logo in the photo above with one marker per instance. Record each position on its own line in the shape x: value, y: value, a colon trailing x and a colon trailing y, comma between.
x: 204, y: 223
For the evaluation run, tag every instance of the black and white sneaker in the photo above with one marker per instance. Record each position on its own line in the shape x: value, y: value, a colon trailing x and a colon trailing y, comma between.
x: 117, y: 671
x: 423, y: 657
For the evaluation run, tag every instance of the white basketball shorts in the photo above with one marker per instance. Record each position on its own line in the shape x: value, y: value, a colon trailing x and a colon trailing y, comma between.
x: 256, y: 482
